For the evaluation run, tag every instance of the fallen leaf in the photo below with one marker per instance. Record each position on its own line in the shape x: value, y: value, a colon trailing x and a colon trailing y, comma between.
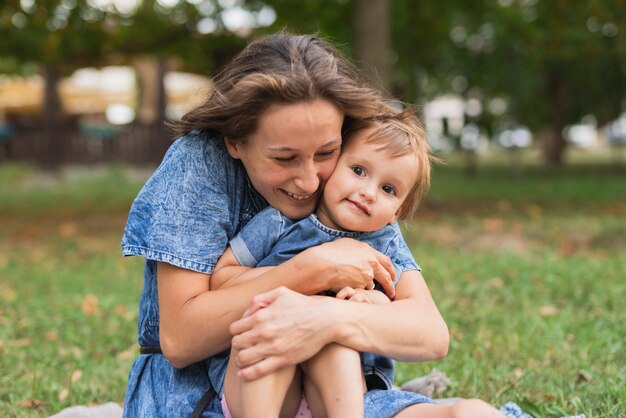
x: 32, y: 403
x: 64, y: 394
x: 121, y: 310
x: 76, y: 375
x: 77, y: 352
x: 583, y: 377
x: 547, y: 311
x: 8, y: 294
x: 67, y: 229
x: 128, y: 353
x: 496, y: 282
x: 21, y: 342
x: 492, y: 225
x: 52, y: 335
x: 90, y: 305
x: 534, y: 211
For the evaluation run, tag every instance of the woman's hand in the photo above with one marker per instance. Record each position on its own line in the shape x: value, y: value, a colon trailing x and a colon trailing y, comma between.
x: 353, y: 264
x: 280, y: 328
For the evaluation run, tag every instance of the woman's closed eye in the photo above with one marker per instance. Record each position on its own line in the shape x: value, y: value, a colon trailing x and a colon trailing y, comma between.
x: 285, y: 159
x: 326, y: 154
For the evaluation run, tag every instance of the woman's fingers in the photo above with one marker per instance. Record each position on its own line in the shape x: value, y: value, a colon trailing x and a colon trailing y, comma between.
x: 385, y: 277
x: 289, y: 330
x: 261, y: 368
x: 264, y: 299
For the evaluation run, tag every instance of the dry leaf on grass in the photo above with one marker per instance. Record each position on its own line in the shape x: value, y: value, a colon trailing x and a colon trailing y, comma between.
x: 64, y: 394
x: 76, y: 375
x: 547, y: 311
x: 90, y: 305
x: 32, y: 403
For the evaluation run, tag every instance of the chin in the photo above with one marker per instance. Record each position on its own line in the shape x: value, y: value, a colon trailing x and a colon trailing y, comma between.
x: 297, y: 213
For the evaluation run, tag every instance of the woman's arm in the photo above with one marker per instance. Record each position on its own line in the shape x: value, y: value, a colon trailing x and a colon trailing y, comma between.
x: 194, y: 321
x: 228, y: 272
x: 292, y: 327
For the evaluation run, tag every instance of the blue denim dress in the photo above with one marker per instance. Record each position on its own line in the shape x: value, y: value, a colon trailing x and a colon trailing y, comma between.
x: 185, y: 215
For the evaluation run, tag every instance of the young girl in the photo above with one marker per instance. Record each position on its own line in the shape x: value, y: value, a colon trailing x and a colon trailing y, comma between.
x: 383, y: 171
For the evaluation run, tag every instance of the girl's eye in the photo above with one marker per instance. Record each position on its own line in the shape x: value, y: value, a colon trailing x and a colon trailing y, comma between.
x: 389, y: 190
x: 359, y: 171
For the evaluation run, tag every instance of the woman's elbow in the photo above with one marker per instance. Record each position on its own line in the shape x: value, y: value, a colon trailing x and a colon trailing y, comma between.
x: 174, y: 352
x: 442, y: 344
x: 438, y: 343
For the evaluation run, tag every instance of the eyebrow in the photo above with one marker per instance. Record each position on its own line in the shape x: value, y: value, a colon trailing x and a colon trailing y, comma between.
x: 332, y: 142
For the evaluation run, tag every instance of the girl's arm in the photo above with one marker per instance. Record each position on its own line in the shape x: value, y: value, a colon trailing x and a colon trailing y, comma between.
x: 194, y: 320
x: 410, y: 328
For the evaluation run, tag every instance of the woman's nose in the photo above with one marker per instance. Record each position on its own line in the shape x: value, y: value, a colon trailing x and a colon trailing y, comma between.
x: 308, y: 180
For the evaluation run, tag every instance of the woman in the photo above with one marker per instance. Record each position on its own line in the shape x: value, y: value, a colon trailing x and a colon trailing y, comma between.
x: 284, y: 101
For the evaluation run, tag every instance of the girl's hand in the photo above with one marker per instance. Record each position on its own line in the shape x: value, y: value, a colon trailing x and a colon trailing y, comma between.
x: 353, y: 264
x: 280, y: 328
x: 362, y: 295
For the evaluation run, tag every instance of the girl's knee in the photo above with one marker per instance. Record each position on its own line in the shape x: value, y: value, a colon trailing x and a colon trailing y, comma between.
x: 475, y: 408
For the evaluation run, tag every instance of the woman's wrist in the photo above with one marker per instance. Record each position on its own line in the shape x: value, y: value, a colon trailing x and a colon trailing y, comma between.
x: 337, y: 317
x: 315, y: 272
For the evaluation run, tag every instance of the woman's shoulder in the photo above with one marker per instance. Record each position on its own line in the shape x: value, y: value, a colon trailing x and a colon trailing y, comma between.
x: 198, y: 145
x: 198, y: 157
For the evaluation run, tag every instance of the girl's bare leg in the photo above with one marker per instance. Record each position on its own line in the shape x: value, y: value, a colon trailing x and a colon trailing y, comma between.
x: 467, y: 408
x: 276, y: 395
x: 333, y: 383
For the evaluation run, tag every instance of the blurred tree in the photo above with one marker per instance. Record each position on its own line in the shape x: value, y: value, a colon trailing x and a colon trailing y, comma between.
x: 60, y: 36
x: 553, y: 62
x: 549, y: 62
x: 57, y: 36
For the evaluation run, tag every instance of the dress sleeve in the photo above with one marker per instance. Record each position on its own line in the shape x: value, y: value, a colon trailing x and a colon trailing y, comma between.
x: 255, y: 240
x: 399, y: 253
x: 183, y: 214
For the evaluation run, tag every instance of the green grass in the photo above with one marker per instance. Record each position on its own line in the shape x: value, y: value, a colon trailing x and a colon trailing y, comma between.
x: 529, y: 274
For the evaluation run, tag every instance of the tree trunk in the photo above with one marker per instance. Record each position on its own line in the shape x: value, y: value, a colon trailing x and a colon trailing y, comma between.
x: 554, y: 146
x: 54, y: 134
x: 553, y: 142
x: 152, y: 102
x: 372, y: 39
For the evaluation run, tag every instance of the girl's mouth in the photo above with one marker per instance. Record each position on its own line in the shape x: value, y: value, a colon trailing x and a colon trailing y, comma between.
x: 359, y: 206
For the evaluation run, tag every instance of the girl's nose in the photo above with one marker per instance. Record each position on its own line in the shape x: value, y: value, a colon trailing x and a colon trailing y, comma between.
x: 368, y: 194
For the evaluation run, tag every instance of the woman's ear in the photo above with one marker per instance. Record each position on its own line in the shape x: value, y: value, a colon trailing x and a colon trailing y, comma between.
x: 232, y: 147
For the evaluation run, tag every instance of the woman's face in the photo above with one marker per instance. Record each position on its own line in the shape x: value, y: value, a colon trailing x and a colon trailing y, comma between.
x: 292, y: 153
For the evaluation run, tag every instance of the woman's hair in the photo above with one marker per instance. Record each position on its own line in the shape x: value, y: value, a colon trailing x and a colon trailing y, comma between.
x: 282, y: 68
x: 401, y: 134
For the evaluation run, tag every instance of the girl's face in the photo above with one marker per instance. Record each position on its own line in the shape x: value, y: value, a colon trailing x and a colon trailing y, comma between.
x: 368, y: 187
x: 292, y: 153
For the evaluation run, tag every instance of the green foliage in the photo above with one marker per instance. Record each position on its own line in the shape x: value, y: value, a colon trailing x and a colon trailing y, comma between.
x: 65, y: 34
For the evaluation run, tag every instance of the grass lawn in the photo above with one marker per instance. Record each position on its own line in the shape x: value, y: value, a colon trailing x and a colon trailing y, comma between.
x: 530, y: 274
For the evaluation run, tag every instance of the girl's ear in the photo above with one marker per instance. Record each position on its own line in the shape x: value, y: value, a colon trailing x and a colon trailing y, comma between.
x: 232, y: 147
